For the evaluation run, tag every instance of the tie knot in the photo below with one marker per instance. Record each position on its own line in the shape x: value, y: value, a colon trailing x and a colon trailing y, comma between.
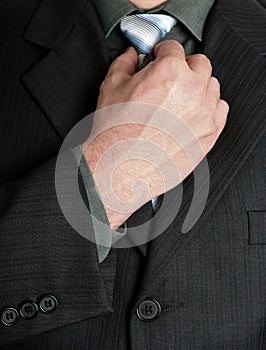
x: 144, y: 31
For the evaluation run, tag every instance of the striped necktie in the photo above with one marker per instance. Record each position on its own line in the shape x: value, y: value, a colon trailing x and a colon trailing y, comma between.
x: 144, y: 31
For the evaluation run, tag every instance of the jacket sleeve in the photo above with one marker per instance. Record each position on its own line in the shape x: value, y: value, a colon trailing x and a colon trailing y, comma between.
x: 41, y: 253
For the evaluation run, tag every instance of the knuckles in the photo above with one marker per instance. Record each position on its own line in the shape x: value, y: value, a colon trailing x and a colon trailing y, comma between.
x: 170, y: 44
x: 209, y: 125
x: 215, y: 83
x: 202, y: 58
x: 167, y: 68
x: 225, y: 107
x: 214, y: 89
x: 175, y: 44
x: 120, y: 60
x: 109, y: 82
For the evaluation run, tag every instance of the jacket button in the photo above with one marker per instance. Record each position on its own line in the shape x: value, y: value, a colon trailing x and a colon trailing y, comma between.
x: 149, y: 310
x: 9, y: 316
x: 28, y: 309
x: 48, y: 303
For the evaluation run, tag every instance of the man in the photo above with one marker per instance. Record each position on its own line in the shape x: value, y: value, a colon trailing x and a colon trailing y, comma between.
x: 203, y: 289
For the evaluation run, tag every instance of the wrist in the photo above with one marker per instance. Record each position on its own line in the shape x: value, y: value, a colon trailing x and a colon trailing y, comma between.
x: 116, y: 214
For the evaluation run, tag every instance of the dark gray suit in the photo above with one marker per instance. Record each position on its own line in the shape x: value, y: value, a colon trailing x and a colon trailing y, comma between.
x: 209, y: 281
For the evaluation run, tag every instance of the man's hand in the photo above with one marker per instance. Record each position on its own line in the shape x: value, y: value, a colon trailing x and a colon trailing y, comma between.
x: 182, y: 85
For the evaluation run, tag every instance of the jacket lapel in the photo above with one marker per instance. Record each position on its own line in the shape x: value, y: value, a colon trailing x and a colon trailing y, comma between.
x: 65, y: 82
x: 52, y: 21
x: 239, y: 65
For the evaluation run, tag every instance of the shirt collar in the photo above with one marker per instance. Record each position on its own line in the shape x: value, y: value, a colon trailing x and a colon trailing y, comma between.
x: 192, y: 13
x: 111, y: 12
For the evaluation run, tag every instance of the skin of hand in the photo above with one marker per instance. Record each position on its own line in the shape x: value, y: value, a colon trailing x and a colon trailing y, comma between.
x: 181, y: 85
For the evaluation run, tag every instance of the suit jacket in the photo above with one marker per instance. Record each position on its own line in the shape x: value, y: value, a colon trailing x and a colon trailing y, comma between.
x: 210, y: 280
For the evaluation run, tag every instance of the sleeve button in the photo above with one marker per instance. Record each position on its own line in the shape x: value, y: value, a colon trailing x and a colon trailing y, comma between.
x: 9, y: 316
x: 28, y: 309
x: 48, y: 303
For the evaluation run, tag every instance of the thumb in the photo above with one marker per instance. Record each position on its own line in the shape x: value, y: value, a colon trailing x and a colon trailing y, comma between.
x: 126, y: 63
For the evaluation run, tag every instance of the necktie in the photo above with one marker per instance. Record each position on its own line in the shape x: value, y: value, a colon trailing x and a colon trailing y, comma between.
x: 144, y: 31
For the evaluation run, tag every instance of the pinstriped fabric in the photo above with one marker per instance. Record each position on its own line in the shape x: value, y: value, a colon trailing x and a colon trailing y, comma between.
x: 28, y: 202
x: 212, y: 287
x: 144, y: 31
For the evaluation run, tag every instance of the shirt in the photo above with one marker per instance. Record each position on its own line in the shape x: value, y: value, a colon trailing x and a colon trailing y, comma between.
x: 191, y: 16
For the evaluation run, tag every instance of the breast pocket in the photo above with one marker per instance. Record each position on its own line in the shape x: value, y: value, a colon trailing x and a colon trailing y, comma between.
x: 257, y: 227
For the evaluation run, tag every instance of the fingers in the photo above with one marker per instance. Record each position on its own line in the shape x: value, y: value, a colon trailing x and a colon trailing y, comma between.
x: 201, y: 65
x: 218, y: 106
x: 122, y: 68
x: 125, y: 64
x: 222, y: 110
x: 213, y: 89
x: 169, y: 48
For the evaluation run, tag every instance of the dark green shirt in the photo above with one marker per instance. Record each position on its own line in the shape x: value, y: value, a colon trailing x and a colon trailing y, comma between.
x: 191, y: 16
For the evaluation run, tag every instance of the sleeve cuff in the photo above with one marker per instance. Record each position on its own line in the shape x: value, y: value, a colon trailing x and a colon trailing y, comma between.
x: 104, y: 237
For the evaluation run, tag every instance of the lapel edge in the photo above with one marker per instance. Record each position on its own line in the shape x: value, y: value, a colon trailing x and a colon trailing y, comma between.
x: 44, y: 29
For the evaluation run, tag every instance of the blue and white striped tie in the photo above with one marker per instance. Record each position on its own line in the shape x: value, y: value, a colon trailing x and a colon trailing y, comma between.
x: 144, y: 31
